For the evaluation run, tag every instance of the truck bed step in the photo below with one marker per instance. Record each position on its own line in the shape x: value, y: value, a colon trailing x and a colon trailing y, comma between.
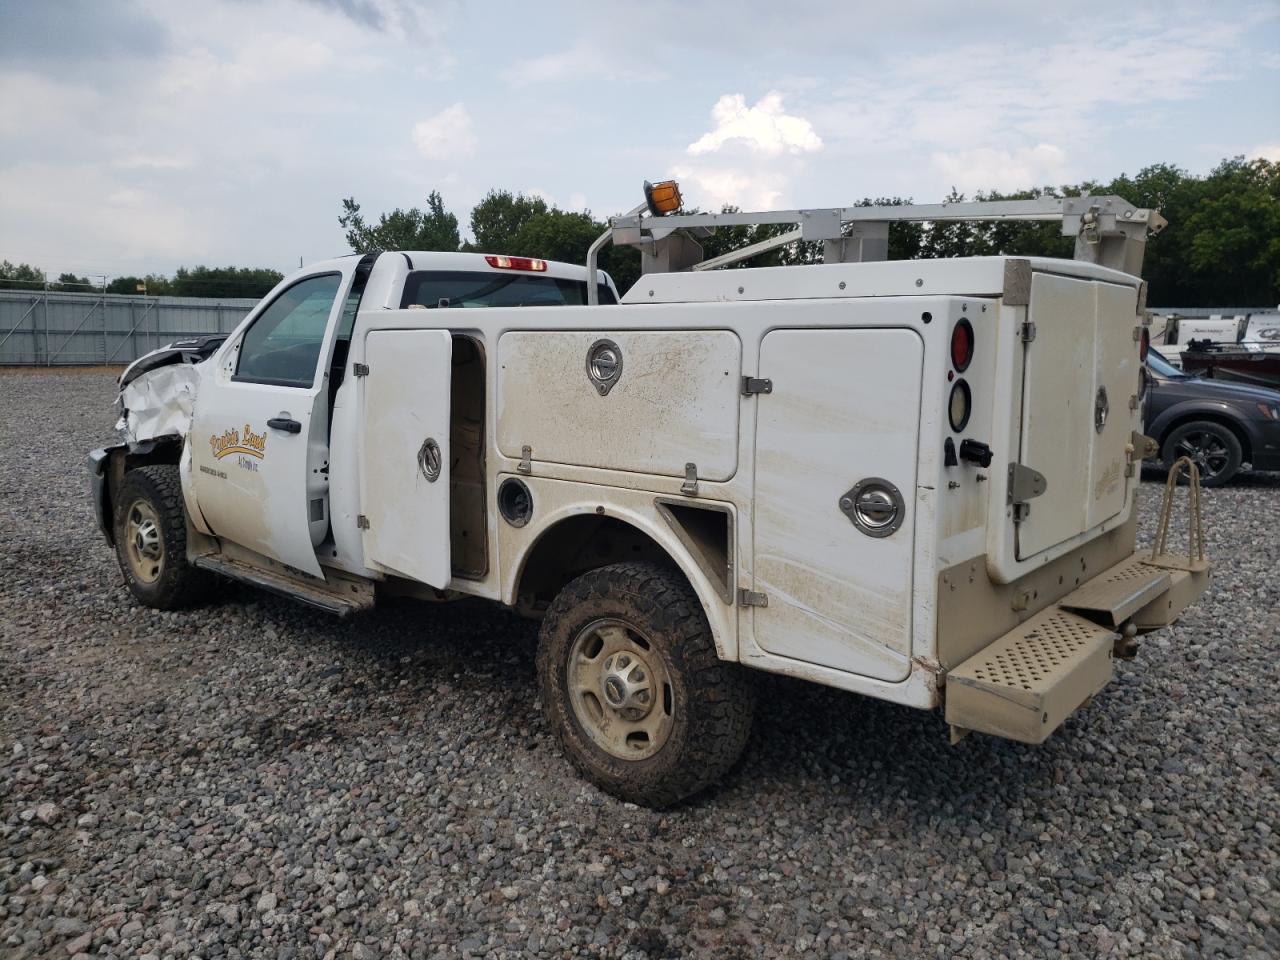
x: 326, y: 597
x: 1118, y: 593
x: 1026, y: 683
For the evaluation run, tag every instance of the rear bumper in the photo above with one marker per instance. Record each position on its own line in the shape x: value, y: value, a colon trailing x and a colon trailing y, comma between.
x: 1024, y: 685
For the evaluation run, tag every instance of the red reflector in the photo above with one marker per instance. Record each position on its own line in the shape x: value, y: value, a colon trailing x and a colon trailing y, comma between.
x: 517, y: 263
x: 1144, y: 344
x: 962, y: 345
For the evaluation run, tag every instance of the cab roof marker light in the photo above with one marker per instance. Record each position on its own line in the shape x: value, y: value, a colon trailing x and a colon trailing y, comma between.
x: 517, y: 263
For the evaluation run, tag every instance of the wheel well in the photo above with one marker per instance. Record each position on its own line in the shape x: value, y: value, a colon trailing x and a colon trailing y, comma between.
x: 162, y: 450
x: 1211, y: 417
x: 575, y: 546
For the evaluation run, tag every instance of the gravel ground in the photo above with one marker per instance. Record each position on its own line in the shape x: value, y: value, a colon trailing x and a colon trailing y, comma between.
x: 255, y: 780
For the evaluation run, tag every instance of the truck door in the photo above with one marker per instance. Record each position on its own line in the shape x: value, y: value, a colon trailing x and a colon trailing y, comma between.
x: 844, y: 411
x: 404, y: 453
x: 260, y: 427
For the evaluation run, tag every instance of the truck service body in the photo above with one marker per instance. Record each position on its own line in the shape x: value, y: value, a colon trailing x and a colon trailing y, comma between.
x: 913, y: 480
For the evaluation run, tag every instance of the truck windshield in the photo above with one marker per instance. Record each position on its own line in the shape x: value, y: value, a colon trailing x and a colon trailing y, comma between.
x: 459, y: 288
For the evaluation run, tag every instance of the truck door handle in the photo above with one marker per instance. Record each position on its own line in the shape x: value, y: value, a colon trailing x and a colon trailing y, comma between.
x: 287, y: 424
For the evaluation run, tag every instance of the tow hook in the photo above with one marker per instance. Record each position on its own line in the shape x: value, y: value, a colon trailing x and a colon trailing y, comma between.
x: 1126, y: 645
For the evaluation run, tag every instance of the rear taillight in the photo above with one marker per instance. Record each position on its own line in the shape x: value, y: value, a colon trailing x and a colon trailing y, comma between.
x: 962, y: 346
x: 1144, y: 344
x: 517, y: 263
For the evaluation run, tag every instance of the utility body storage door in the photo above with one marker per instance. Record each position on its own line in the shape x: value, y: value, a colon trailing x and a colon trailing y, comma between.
x: 1079, y: 373
x: 404, y: 453
x: 845, y: 407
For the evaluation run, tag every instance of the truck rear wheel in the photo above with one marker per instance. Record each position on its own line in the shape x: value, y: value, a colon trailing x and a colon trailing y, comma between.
x: 151, y: 539
x: 633, y: 688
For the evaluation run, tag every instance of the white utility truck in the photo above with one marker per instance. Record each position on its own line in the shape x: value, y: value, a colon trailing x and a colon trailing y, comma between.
x: 911, y: 480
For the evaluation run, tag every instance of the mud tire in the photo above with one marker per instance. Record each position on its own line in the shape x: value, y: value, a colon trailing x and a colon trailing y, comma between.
x: 713, y: 701
x: 178, y: 584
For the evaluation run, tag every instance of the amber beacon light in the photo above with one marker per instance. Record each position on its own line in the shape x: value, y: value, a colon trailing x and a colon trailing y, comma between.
x: 662, y: 198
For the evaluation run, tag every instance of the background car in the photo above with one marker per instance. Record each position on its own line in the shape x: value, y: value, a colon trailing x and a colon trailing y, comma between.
x: 1219, y: 425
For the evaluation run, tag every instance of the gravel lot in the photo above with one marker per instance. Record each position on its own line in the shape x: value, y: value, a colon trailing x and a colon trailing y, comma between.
x: 255, y: 780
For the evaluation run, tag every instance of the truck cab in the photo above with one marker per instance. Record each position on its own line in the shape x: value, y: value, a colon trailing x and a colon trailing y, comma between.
x: 911, y: 480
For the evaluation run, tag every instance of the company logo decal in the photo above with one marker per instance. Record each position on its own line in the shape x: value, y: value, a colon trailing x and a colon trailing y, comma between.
x: 1108, y: 481
x: 231, y: 441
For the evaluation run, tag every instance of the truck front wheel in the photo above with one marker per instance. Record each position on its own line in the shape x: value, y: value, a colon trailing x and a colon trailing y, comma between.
x: 633, y: 688
x: 151, y: 538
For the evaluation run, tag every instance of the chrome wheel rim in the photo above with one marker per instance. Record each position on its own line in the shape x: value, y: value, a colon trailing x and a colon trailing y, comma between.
x: 1207, y: 452
x: 144, y: 545
x: 619, y: 689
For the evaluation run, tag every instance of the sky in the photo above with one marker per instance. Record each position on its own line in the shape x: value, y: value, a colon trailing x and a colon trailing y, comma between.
x: 140, y: 135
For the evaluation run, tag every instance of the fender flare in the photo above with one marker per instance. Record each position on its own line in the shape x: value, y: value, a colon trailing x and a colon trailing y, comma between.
x: 722, y: 617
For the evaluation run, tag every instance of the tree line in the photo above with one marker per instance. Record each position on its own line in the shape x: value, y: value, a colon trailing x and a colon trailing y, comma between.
x: 223, y: 282
x: 1221, y: 248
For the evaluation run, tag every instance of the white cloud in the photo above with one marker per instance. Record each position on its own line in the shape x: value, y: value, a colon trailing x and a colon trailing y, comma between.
x: 992, y: 168
x: 445, y: 135
x: 582, y: 60
x: 1007, y: 111
x: 1266, y: 151
x: 716, y: 187
x: 764, y: 128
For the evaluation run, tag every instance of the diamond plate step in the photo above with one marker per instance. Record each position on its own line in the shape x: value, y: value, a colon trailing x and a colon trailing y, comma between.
x: 1116, y: 594
x: 1026, y: 683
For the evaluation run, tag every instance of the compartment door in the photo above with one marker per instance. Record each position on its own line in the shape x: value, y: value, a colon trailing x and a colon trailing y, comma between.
x: 845, y: 407
x: 404, y: 453
x: 1078, y: 375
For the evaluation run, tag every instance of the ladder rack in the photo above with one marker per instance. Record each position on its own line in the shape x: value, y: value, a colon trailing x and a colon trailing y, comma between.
x: 1108, y: 231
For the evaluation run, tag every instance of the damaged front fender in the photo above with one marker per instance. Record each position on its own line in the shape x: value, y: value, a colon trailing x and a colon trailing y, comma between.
x: 158, y: 403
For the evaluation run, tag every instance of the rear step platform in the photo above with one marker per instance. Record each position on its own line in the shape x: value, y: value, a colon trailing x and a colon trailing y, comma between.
x: 1117, y: 594
x: 340, y: 597
x: 1026, y: 683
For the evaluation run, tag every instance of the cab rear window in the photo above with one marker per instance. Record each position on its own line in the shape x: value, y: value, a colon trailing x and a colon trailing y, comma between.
x: 461, y: 288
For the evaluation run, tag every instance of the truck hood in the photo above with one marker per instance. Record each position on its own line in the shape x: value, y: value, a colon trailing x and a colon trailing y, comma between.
x: 187, y: 350
x: 1228, y: 391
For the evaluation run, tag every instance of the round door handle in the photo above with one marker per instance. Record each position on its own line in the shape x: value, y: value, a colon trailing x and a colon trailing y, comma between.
x: 874, y: 506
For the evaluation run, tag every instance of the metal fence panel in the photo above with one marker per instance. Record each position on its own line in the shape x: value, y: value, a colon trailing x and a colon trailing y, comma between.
x: 45, y: 328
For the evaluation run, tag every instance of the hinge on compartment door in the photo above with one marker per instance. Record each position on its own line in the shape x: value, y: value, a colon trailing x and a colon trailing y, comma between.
x: 525, y: 465
x: 1140, y: 447
x: 1028, y: 331
x: 754, y: 385
x: 690, y: 486
x: 362, y: 522
x: 1024, y: 484
x: 359, y: 369
x: 751, y: 598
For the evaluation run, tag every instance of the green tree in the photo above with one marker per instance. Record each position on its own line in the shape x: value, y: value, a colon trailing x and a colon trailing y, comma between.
x: 523, y: 226
x: 20, y: 276
x: 204, y: 281
x: 153, y: 285
x: 498, y: 218
x: 414, y: 229
x: 70, y: 283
